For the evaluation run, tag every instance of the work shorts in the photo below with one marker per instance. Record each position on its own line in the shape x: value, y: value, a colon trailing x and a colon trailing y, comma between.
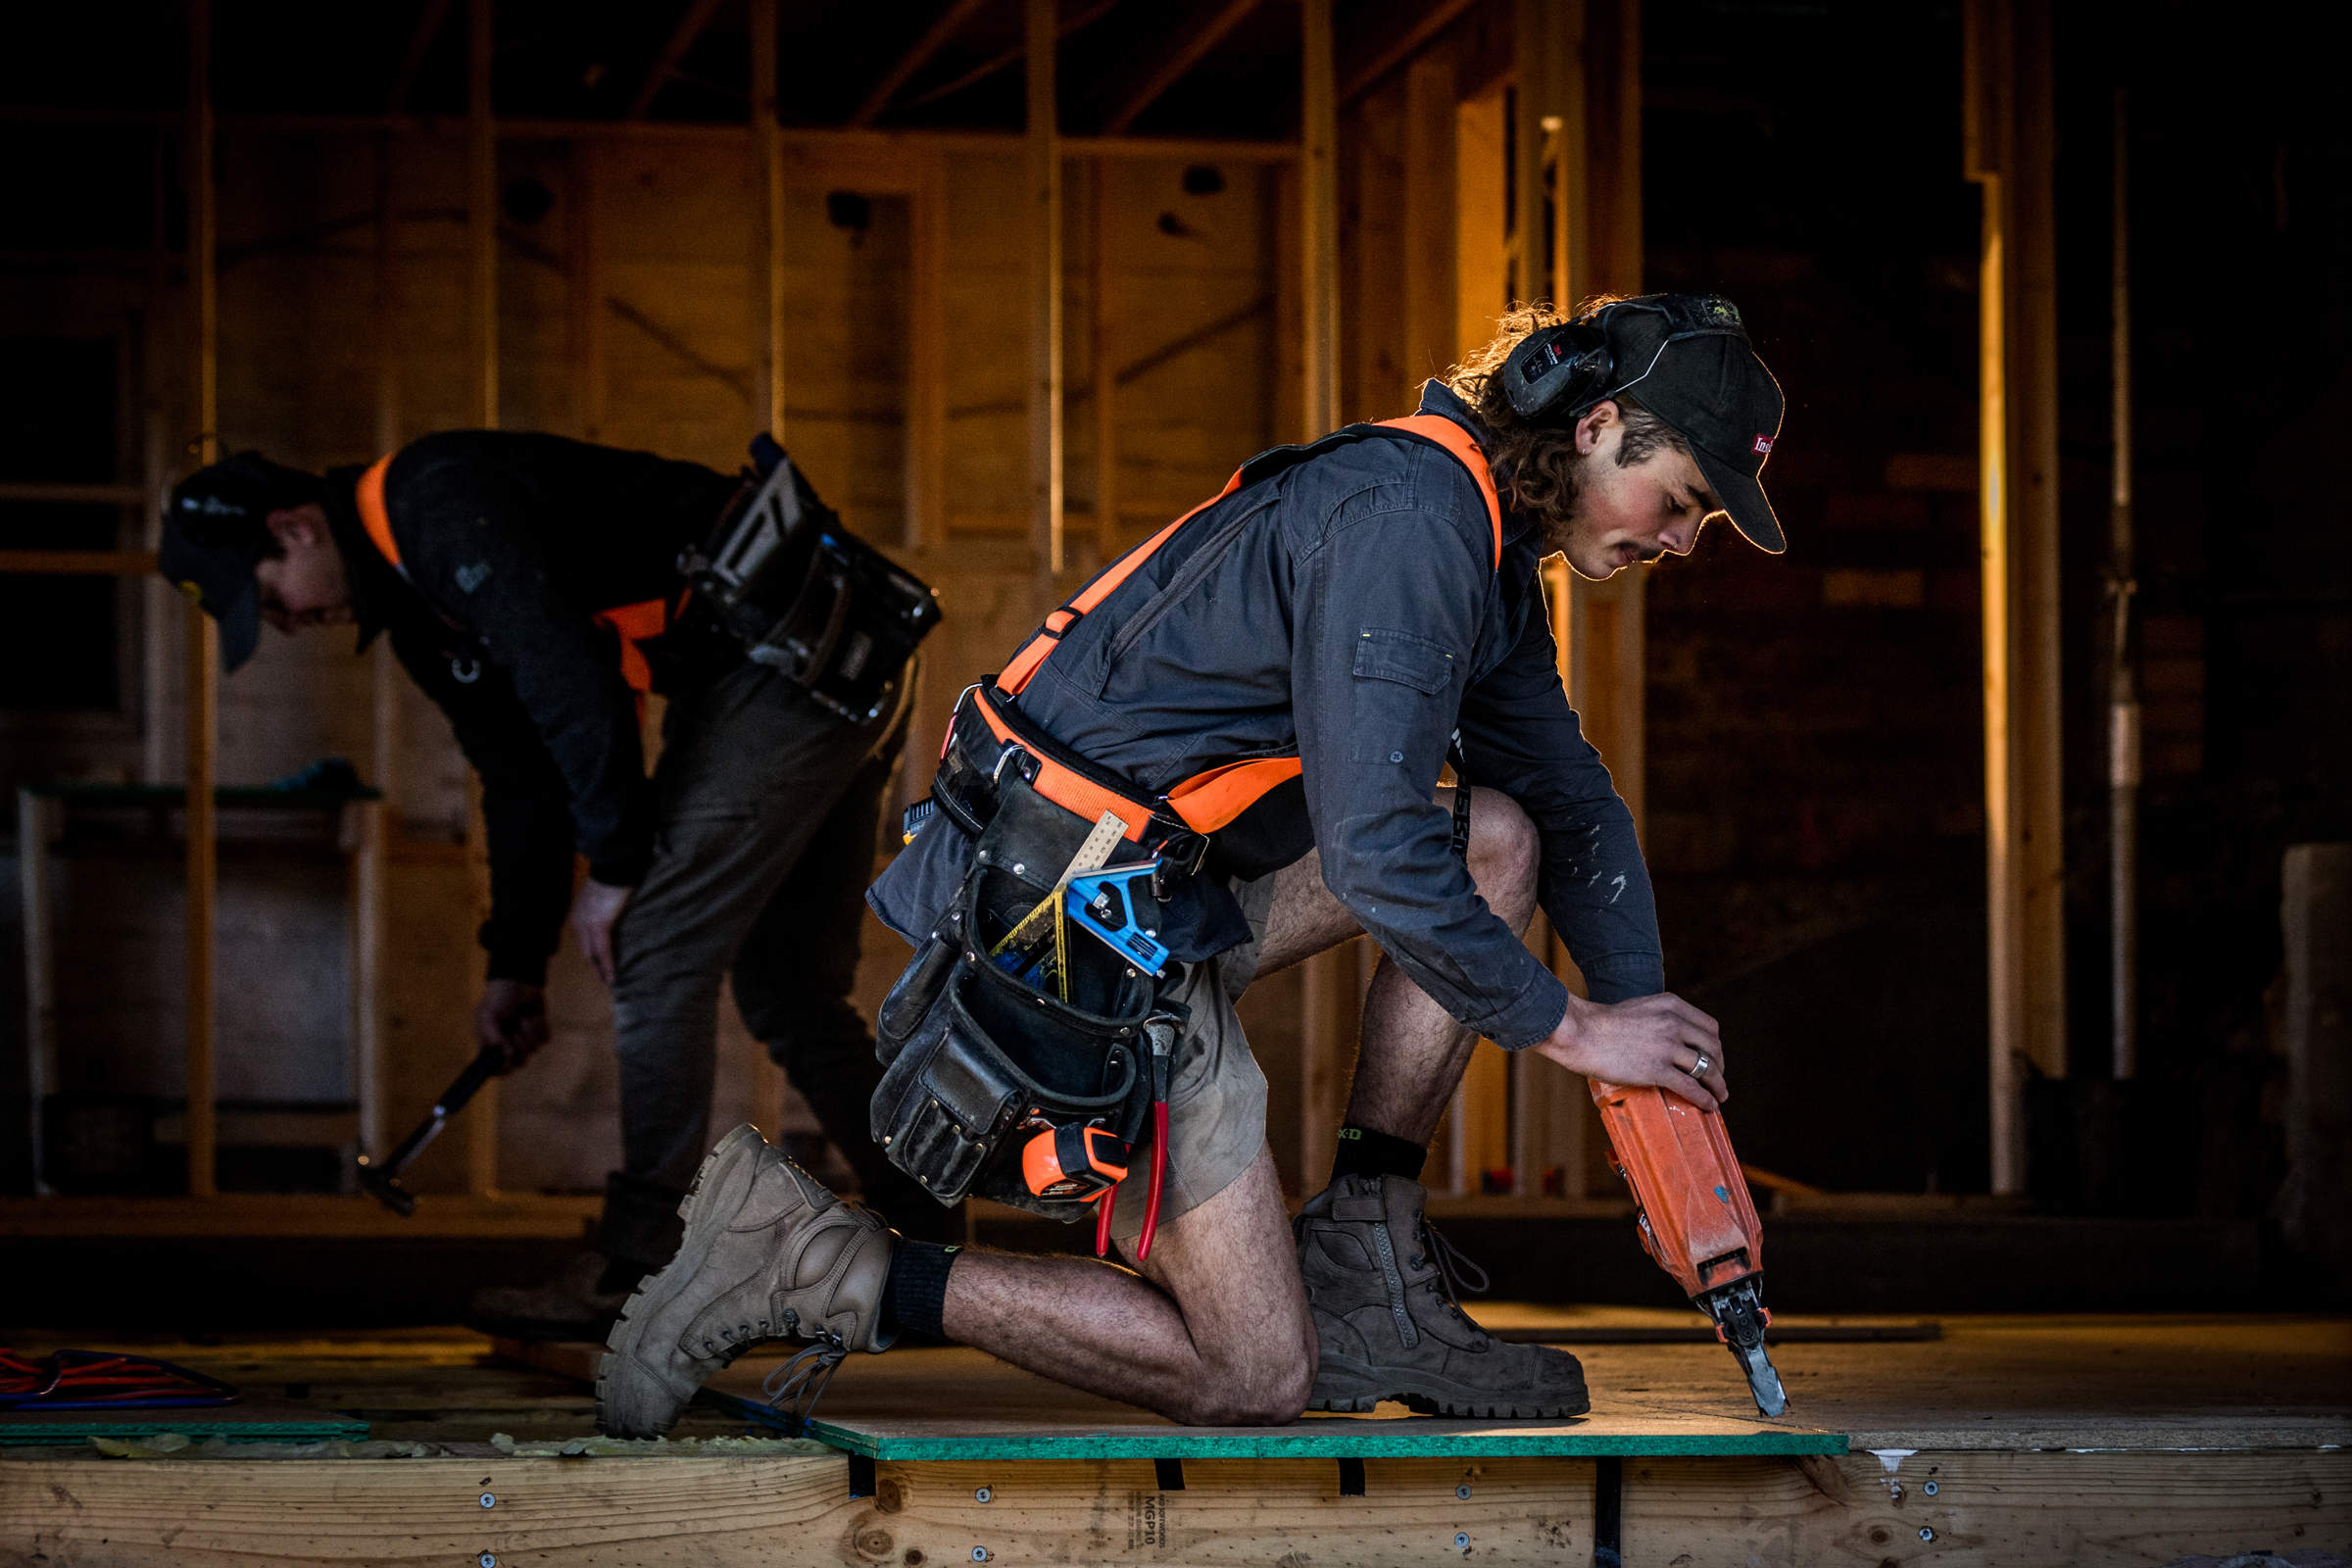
x: 1216, y: 1094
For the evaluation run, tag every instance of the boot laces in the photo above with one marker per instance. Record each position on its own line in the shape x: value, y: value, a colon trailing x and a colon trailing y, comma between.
x: 728, y: 1343
x: 794, y: 1387
x: 1453, y: 1267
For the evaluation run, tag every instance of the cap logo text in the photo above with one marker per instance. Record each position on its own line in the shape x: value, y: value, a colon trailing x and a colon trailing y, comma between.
x: 1763, y: 445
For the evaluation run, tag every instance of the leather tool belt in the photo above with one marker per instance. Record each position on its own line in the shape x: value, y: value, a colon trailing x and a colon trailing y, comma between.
x: 973, y: 1055
x: 802, y: 594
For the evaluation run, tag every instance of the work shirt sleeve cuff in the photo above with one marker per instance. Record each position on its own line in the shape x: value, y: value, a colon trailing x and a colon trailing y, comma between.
x: 518, y: 965
x: 1534, y: 1016
x: 621, y: 868
x: 1623, y: 977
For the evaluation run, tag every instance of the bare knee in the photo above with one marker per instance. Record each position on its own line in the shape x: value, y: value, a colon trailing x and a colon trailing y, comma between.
x: 1504, y: 853
x: 1265, y: 1388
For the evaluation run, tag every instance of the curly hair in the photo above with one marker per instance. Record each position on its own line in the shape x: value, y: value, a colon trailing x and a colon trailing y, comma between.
x: 1537, y: 466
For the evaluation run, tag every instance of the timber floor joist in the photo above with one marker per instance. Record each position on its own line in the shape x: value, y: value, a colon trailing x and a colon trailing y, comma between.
x: 2020, y: 1441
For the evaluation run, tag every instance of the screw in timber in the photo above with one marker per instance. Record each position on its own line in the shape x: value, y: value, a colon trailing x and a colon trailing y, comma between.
x: 1464, y: 1492
x: 489, y: 1499
x: 982, y: 1495
x: 1461, y: 1541
x: 1929, y: 1488
x: 488, y: 1559
x: 1926, y: 1534
x: 979, y: 1554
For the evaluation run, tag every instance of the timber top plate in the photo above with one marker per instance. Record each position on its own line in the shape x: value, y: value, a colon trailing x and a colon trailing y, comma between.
x: 960, y: 1404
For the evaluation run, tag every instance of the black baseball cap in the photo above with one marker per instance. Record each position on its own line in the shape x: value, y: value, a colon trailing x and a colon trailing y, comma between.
x: 1687, y: 359
x: 216, y: 531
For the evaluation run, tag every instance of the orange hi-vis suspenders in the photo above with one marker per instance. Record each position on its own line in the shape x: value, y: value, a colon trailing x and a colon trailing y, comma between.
x: 635, y: 624
x: 1216, y: 797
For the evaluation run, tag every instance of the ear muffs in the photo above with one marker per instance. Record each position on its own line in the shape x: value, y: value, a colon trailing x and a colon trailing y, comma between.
x: 1558, y: 368
x: 1559, y: 373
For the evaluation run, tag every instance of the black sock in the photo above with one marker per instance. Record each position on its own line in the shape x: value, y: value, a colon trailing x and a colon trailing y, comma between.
x: 916, y: 1297
x: 1362, y: 1152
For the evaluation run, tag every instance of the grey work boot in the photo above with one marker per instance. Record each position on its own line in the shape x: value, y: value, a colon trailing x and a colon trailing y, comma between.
x: 768, y: 1254
x: 1380, y: 1284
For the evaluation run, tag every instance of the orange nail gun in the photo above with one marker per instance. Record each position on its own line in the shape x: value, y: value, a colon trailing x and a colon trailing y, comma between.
x: 1695, y: 1217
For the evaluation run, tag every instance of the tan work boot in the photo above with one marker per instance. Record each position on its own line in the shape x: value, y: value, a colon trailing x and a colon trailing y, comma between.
x: 1380, y: 1284
x: 768, y: 1254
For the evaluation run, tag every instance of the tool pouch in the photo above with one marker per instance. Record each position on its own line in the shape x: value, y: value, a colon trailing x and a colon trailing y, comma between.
x: 972, y: 1053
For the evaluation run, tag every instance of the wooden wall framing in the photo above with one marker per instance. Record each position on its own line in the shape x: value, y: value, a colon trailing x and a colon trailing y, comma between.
x: 1576, y: 218
x: 908, y: 164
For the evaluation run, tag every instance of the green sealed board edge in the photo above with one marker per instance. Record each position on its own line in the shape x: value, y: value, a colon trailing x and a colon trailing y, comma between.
x: 1313, y: 1440
x: 23, y: 1432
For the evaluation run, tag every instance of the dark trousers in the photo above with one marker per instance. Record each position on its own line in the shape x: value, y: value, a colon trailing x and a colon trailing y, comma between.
x: 770, y: 806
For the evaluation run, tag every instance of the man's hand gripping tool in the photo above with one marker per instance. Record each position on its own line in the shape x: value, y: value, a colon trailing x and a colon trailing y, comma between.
x: 381, y: 1180
x: 1695, y: 1217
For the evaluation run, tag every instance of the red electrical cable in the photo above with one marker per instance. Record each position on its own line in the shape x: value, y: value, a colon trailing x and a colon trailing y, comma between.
x: 81, y: 1380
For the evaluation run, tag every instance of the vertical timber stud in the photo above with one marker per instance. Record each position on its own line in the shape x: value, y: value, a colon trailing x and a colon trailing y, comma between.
x: 1600, y: 190
x: 1549, y: 1109
x: 1477, y: 1120
x: 767, y: 153
x: 159, y: 368
x: 384, y: 701
x: 1327, y: 980
x: 1430, y: 231
x: 1045, y: 302
x: 767, y: 143
x: 36, y: 830
x: 2007, y: 119
x: 2123, y: 686
x: 203, y: 637
x: 481, y: 211
x: 926, y: 359
x: 1601, y: 193
x: 1319, y: 222
x: 586, y: 302
x: 1103, y: 373
x: 2034, y: 494
x: 482, y: 226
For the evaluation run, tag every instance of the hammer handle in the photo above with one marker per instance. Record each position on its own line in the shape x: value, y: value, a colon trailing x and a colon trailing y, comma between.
x: 485, y: 1065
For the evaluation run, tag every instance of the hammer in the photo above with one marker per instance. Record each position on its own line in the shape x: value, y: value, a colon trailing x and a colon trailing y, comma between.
x: 381, y: 1181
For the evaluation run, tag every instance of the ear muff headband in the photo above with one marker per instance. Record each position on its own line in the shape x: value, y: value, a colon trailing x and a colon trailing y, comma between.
x: 1566, y: 369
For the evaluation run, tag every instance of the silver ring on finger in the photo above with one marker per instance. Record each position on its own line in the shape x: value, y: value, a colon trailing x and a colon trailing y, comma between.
x: 1698, y: 1069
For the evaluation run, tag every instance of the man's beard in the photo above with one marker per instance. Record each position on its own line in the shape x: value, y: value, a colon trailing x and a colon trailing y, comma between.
x: 1557, y: 525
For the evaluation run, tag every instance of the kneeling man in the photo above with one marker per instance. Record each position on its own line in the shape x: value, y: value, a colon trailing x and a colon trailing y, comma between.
x: 1259, y: 703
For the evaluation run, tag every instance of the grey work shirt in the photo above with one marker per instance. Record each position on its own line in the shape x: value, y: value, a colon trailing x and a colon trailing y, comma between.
x: 1348, y: 610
